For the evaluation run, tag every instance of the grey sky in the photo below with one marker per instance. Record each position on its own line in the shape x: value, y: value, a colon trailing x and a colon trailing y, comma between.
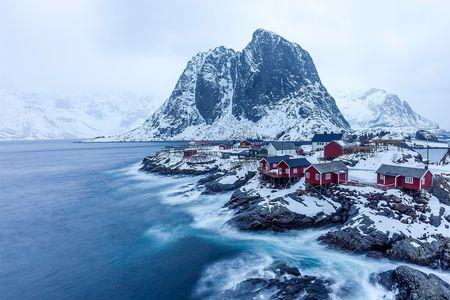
x: 142, y: 46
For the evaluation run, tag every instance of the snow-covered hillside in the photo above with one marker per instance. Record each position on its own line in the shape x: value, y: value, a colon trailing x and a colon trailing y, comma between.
x: 378, y: 109
x: 271, y: 89
x: 35, y: 116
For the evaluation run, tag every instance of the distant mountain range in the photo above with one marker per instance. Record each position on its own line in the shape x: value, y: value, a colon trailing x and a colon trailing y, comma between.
x: 36, y: 116
x: 377, y: 109
x: 270, y: 89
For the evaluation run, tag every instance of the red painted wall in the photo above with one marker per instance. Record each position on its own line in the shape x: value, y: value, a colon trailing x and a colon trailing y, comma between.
x: 300, y: 172
x: 389, y: 180
x: 312, y: 178
x: 401, y: 182
x: 332, y: 180
x: 428, y: 180
x: 332, y: 150
x: 263, y: 163
x: 343, y: 177
x: 284, y: 168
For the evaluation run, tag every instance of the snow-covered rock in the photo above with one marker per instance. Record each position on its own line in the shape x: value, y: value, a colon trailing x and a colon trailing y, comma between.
x: 377, y: 109
x: 270, y: 89
x: 393, y: 224
x: 39, y: 116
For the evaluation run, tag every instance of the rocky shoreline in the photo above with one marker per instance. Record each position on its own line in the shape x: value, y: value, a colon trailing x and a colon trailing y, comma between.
x: 250, y: 215
x: 359, y: 221
x: 156, y: 164
x: 360, y: 234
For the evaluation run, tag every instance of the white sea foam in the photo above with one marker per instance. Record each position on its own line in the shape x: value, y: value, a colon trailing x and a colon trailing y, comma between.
x: 350, y: 273
x: 164, y: 235
x: 226, y: 274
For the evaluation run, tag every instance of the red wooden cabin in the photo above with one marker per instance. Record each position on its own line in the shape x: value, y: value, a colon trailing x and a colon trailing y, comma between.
x: 293, y: 168
x: 270, y: 163
x: 404, y: 177
x: 325, y: 174
x: 333, y: 150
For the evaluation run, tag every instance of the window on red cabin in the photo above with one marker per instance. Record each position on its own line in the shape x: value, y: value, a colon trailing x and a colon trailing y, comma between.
x: 307, y: 175
x: 327, y: 176
x: 317, y: 176
x: 409, y: 180
x: 382, y: 177
x: 422, y: 181
x: 295, y: 170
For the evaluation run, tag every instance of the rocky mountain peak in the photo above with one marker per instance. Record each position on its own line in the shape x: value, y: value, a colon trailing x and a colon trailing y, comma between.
x: 269, y: 89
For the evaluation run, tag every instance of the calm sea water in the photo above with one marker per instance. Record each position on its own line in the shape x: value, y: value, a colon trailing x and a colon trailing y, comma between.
x: 73, y: 225
x: 79, y: 221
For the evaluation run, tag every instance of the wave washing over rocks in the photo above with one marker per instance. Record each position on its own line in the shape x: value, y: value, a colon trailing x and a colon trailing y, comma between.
x: 383, y: 224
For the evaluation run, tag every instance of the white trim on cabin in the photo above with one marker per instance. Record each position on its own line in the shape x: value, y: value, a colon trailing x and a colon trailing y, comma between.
x: 409, y: 180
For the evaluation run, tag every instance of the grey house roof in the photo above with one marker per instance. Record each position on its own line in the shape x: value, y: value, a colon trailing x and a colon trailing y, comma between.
x: 326, y: 137
x: 334, y: 166
x: 391, y: 170
x: 278, y: 145
x: 297, y: 162
x: 263, y: 150
x: 301, y: 143
x: 276, y: 159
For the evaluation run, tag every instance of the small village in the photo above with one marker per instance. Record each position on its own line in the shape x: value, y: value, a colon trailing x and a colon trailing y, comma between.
x: 325, y: 160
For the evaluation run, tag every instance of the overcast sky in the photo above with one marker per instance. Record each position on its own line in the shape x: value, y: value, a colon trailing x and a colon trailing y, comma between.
x: 56, y: 46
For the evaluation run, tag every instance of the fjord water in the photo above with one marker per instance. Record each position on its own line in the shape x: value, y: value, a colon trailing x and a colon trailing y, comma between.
x: 80, y: 221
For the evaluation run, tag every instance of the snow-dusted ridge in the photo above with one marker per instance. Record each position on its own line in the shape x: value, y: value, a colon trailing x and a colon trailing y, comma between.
x: 38, y: 116
x: 271, y: 89
x: 379, y: 110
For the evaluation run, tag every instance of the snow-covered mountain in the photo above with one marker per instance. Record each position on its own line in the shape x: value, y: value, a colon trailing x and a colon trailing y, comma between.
x: 378, y: 109
x: 270, y: 89
x: 36, y: 116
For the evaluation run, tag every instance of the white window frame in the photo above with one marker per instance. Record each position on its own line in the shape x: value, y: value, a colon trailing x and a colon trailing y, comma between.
x: 274, y: 165
x: 280, y: 170
x: 382, y: 177
x: 409, y: 180
x: 328, y: 176
x: 422, y: 181
x: 317, y: 176
x: 295, y: 170
x: 307, y: 175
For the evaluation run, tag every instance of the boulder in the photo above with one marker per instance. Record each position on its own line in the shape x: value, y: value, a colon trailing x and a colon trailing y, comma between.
x: 412, y: 284
x: 435, y: 220
x: 351, y: 239
x: 413, y: 251
x: 287, y: 283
